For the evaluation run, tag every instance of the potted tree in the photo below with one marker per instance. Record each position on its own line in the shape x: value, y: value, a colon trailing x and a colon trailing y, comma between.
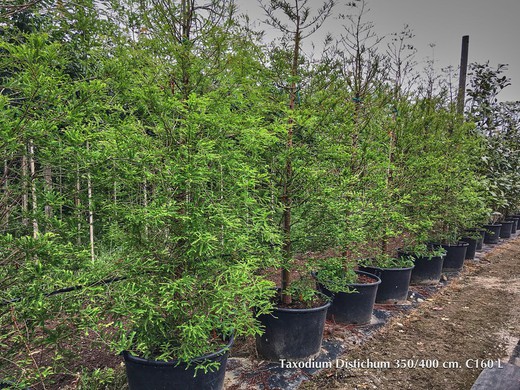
x: 462, y: 207
x: 455, y: 255
x: 189, y: 229
x: 385, y: 222
x: 492, y: 230
x: 176, y: 331
x: 507, y: 228
x: 473, y: 237
x: 191, y: 241
x: 295, y: 328
x: 395, y: 274
x: 353, y: 292
x: 495, y: 124
x: 428, y: 261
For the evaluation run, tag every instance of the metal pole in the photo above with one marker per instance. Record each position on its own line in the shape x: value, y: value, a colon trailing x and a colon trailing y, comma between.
x: 462, y: 77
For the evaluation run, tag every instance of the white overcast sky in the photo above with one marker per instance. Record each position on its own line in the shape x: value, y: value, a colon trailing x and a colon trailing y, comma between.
x: 493, y: 27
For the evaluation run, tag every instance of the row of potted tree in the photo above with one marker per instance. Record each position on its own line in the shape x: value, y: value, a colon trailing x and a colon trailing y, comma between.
x: 183, y: 162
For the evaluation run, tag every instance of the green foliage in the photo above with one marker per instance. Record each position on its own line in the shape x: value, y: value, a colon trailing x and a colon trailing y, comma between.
x: 497, y: 123
x: 439, y: 160
x: 335, y: 276
x: 423, y: 251
x: 163, y: 318
x: 163, y: 146
x: 387, y: 261
x: 172, y: 192
x: 304, y: 293
x: 102, y: 379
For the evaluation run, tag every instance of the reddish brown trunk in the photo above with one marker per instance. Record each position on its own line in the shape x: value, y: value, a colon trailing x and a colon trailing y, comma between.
x: 77, y: 203
x: 32, y: 167
x: 287, y: 196
x: 25, y: 190
x: 47, y: 173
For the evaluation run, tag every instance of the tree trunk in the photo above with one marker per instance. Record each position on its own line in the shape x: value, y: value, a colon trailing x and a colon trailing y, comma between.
x: 90, y: 212
x: 77, y: 203
x: 187, y: 15
x: 25, y: 189
x: 392, y: 135
x: 145, y: 204
x: 287, y: 191
x: 6, y: 204
x: 60, y: 184
x: 47, y: 174
x: 32, y: 167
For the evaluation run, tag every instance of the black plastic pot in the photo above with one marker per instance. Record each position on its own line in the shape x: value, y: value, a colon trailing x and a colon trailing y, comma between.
x: 515, y: 224
x: 505, y: 230
x: 426, y: 270
x: 356, y: 307
x: 143, y: 374
x: 480, y: 243
x: 455, y: 255
x: 394, y: 283
x: 492, y: 233
x: 480, y: 240
x: 292, y: 334
x: 472, y: 247
x: 478, y: 233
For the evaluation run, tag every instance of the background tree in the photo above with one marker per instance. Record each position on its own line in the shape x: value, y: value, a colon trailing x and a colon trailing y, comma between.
x: 500, y: 157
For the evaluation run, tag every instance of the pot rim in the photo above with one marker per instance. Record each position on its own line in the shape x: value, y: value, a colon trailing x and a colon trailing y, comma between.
x: 393, y: 268
x: 307, y: 310
x: 200, y: 359
x: 417, y: 257
x: 376, y: 278
x: 458, y: 244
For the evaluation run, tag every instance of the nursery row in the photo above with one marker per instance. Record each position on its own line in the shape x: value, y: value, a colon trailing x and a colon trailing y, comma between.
x: 217, y: 178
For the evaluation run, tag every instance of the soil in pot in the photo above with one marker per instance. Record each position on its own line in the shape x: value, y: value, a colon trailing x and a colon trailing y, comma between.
x: 455, y: 256
x: 144, y: 374
x: 355, y: 307
x: 427, y: 270
x: 492, y: 233
x: 506, y: 229
x: 394, y: 283
x: 292, y: 334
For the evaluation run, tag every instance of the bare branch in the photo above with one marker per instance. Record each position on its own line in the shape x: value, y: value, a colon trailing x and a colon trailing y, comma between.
x: 9, y: 10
